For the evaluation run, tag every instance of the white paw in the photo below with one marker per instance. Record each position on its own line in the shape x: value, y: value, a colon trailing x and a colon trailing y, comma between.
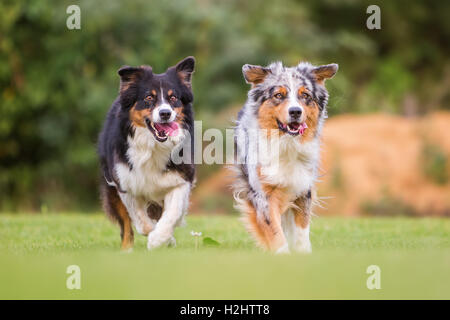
x: 284, y: 249
x: 156, y: 240
x: 303, y: 247
x: 129, y: 250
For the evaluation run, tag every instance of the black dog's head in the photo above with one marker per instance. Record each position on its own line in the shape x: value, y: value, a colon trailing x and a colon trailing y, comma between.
x: 159, y: 102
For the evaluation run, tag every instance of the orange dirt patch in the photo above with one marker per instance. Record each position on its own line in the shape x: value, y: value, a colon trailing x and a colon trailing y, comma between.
x: 368, y: 157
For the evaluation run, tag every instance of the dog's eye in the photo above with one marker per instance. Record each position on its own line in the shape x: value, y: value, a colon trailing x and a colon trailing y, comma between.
x: 305, y: 96
x: 279, y: 96
x: 173, y: 98
x: 149, y: 98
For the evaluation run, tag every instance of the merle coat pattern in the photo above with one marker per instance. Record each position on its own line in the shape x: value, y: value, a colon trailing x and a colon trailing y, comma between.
x: 275, y: 190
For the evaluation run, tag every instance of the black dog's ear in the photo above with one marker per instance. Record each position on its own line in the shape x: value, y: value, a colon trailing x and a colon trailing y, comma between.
x: 254, y: 74
x: 128, y: 75
x: 325, y: 72
x: 184, y: 70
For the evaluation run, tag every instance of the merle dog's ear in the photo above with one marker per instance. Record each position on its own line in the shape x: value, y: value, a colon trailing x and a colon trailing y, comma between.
x: 254, y: 74
x: 128, y: 75
x: 325, y: 72
x: 184, y: 70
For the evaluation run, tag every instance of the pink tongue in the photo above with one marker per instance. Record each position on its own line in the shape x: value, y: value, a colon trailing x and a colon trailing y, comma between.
x: 303, y: 127
x: 169, y: 128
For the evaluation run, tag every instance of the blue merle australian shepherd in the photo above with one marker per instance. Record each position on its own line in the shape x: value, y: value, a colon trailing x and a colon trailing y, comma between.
x: 275, y: 192
x: 141, y: 186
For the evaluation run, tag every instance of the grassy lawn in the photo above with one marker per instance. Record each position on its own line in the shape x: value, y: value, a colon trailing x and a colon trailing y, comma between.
x: 35, y: 250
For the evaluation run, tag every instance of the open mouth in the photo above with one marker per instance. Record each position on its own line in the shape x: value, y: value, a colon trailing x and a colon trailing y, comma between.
x: 162, y: 130
x: 293, y: 128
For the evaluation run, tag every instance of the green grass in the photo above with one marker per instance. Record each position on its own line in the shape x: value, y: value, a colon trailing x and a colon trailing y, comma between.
x: 35, y: 250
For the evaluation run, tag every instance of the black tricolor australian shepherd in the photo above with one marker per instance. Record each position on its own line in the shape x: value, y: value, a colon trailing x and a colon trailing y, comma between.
x: 141, y: 186
x: 275, y: 191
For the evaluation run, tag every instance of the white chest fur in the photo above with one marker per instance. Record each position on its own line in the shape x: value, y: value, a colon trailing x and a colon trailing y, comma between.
x: 294, y: 165
x: 148, y: 177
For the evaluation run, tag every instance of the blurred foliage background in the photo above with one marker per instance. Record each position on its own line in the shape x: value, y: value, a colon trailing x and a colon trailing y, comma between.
x: 56, y: 85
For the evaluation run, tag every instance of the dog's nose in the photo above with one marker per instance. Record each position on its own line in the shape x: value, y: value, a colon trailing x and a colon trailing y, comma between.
x: 165, y: 114
x: 295, y: 112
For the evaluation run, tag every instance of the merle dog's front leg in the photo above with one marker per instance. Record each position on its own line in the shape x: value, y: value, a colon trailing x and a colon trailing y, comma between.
x: 175, y: 206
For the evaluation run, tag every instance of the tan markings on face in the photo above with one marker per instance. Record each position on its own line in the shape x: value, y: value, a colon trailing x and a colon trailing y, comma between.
x: 137, y: 117
x: 273, y: 109
x: 180, y: 115
x: 170, y: 92
x: 311, y: 111
x: 154, y: 92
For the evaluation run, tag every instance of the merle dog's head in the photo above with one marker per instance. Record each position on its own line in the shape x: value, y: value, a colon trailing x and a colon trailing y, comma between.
x: 292, y: 100
x: 159, y: 102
